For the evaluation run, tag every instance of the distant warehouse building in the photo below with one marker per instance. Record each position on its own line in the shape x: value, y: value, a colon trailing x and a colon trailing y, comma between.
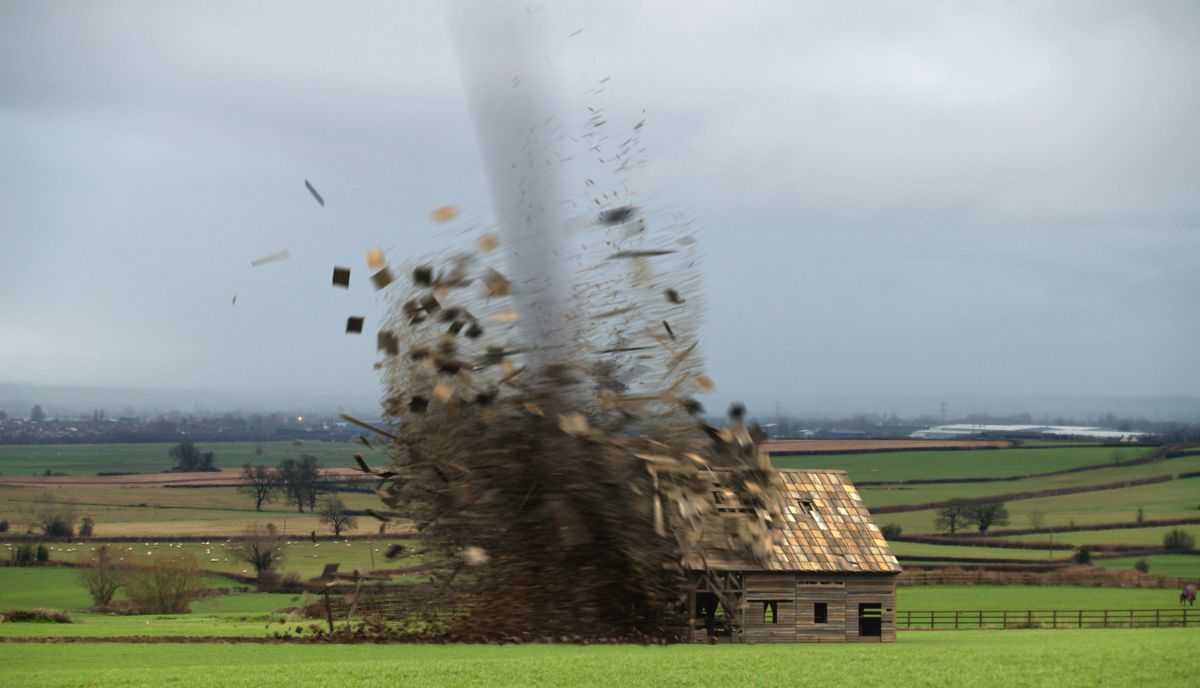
x: 968, y: 430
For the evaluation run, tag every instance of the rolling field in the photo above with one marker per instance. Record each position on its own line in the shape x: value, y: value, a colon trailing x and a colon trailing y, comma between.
x: 141, y: 510
x: 1178, y: 565
x: 920, y: 549
x: 960, y: 463
x: 1024, y: 597
x: 89, y: 459
x: 1143, y: 657
x: 304, y: 557
x: 1151, y: 537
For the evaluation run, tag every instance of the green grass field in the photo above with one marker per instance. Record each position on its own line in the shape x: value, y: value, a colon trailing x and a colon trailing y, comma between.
x: 303, y: 556
x: 920, y: 549
x: 1177, y: 565
x: 1152, y: 536
x: 965, y: 463
x: 89, y: 459
x: 1023, y: 597
x: 139, y: 510
x: 1062, y: 658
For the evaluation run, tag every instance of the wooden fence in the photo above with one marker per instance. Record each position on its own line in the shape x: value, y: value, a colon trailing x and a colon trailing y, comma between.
x: 1178, y: 617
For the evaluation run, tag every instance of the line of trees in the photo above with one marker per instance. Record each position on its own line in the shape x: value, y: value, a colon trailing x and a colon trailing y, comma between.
x: 300, y: 481
x: 959, y: 514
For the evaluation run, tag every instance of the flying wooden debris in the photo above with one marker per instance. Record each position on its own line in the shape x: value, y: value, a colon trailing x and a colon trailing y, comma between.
x: 495, y: 283
x: 505, y: 317
x: 341, y: 277
x: 487, y: 242
x: 475, y: 556
x: 354, y: 325
x: 614, y: 216
x: 641, y: 254
x: 674, y: 297
x: 382, y: 278
x: 375, y: 259
x: 442, y: 392
x: 273, y: 258
x: 444, y: 213
x: 308, y: 185
x: 234, y: 299
x: 387, y: 342
x: 704, y: 383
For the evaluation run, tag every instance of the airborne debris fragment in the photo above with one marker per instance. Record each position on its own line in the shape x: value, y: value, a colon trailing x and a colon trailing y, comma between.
x: 308, y: 185
x: 375, y: 259
x: 354, y: 325
x: 614, y: 216
x: 381, y: 279
x: 487, y: 242
x: 273, y: 258
x: 444, y: 213
x: 341, y: 277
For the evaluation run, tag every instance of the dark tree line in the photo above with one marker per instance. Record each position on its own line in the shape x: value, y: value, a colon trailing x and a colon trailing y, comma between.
x: 298, y: 480
x: 965, y: 514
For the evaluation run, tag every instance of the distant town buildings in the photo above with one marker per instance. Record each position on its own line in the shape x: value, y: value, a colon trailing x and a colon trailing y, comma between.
x: 1057, y: 432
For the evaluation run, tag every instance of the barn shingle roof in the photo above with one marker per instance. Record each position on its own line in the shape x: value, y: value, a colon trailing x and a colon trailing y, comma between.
x: 826, y: 529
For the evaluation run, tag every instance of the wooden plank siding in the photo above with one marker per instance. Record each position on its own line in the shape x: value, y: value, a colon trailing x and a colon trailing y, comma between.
x: 868, y: 590
x: 795, y: 598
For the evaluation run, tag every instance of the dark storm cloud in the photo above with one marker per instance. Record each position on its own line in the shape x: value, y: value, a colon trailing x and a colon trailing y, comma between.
x: 900, y: 202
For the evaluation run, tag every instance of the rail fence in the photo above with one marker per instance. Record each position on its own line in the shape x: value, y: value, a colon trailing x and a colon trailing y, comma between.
x: 945, y: 620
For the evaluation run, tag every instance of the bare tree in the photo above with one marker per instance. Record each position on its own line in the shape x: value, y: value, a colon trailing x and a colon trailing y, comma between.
x: 950, y: 517
x: 986, y: 515
x: 1036, y: 518
x: 55, y: 517
x: 261, y: 483
x: 335, y: 515
x: 102, y: 576
x: 301, y: 480
x: 260, y: 548
x: 166, y: 586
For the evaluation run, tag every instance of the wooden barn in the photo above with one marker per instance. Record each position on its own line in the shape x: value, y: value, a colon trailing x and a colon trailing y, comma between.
x: 831, y: 576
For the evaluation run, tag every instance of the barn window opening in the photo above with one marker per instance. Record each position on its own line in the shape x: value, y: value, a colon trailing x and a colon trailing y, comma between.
x: 820, y: 612
x: 870, y: 620
x: 770, y: 612
x: 807, y: 506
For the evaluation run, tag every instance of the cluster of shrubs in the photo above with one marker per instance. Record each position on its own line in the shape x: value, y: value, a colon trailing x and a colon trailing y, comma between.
x: 25, y: 554
x: 166, y: 586
x: 37, y: 615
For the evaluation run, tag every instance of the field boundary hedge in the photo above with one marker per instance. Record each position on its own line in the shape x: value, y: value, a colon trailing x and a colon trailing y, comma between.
x: 1014, y: 496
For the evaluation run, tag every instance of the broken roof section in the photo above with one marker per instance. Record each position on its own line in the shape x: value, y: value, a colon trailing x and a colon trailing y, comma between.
x: 826, y: 529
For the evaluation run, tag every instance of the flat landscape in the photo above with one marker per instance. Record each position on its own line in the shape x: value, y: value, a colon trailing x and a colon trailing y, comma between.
x: 153, y: 514
x: 1063, y: 658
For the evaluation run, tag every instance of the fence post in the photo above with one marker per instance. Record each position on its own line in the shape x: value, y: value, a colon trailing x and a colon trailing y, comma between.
x: 931, y: 626
x: 956, y: 619
x: 1081, y: 618
x: 1156, y: 620
x: 1054, y: 616
x: 1131, y: 618
x: 1004, y: 619
x: 1029, y: 618
x: 981, y: 619
x: 1106, y: 618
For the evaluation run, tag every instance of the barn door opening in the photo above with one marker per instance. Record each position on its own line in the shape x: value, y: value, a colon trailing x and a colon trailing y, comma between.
x: 870, y: 620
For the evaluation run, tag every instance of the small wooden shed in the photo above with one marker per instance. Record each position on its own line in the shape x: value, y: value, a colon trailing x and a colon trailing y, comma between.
x: 831, y: 576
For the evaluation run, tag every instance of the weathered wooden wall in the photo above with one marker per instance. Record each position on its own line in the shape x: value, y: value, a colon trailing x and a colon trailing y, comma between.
x: 795, y: 597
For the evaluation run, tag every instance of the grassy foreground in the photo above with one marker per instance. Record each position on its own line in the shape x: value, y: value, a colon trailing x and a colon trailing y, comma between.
x: 1151, y: 657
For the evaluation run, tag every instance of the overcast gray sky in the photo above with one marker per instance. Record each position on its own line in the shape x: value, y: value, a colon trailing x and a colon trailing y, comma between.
x: 896, y: 200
